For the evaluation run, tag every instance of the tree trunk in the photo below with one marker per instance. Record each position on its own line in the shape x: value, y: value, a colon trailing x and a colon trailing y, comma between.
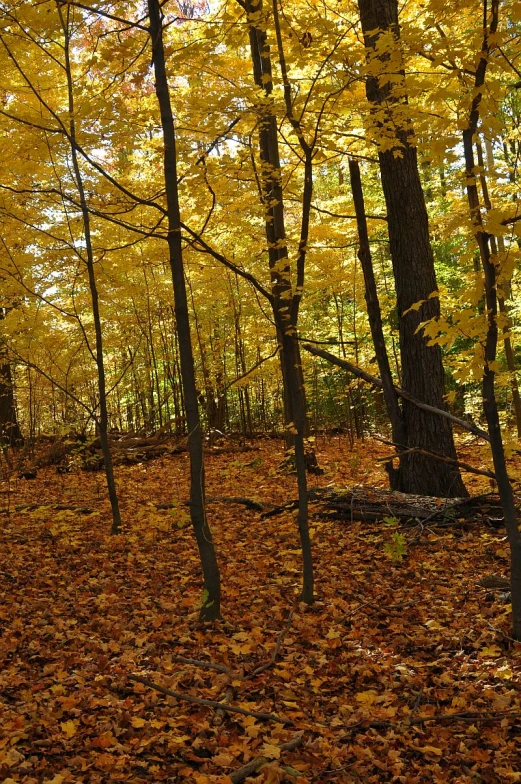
x: 285, y: 300
x: 211, y: 602
x: 413, y: 266
x: 498, y: 244
x: 490, y: 278
x: 102, y: 421
x: 375, y: 321
x: 10, y: 433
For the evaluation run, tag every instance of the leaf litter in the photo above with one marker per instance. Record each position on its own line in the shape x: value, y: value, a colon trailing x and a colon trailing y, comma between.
x: 401, y: 671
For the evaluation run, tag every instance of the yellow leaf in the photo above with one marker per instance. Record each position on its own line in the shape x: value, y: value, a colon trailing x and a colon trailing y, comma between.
x: 367, y: 697
x: 69, y: 728
x: 224, y: 759
x: 270, y: 751
x: 492, y: 652
x: 414, y: 306
x: 137, y: 722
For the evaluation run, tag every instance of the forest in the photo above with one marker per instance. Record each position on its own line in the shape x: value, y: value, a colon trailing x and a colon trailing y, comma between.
x: 260, y: 415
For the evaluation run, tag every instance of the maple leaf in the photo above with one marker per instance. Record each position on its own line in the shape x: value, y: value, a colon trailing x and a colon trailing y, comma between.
x: 270, y: 751
x: 69, y: 728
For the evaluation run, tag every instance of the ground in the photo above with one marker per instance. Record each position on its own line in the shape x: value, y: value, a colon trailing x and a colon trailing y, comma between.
x: 388, y: 642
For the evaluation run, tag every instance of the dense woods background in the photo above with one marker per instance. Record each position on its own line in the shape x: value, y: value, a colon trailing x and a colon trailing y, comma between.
x: 222, y: 221
x: 48, y: 317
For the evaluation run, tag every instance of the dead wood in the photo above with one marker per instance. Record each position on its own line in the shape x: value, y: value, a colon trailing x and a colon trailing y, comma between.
x: 253, y: 765
x: 209, y: 703
x: 375, y: 381
x: 372, y: 505
x: 206, y: 665
x: 81, y: 510
x: 416, y: 450
x: 249, y: 503
x: 464, y: 716
x: 276, y: 650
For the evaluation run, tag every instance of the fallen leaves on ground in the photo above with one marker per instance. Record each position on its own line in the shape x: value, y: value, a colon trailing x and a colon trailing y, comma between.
x: 385, y: 645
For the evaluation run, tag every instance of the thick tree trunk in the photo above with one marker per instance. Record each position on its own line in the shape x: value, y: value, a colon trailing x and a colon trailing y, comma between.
x: 413, y: 266
x: 211, y: 603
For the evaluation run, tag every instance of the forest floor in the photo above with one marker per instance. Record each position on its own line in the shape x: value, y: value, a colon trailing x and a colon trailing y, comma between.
x: 401, y: 670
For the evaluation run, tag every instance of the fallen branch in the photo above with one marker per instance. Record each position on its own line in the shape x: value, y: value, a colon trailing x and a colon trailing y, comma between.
x: 275, y: 653
x: 208, y: 703
x: 54, y: 507
x: 249, y: 503
x: 418, y: 451
x: 448, y: 717
x: 386, y: 607
x: 206, y: 665
x: 375, y: 381
x: 253, y: 765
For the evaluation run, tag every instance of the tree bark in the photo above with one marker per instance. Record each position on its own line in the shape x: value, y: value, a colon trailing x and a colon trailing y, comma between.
x: 102, y: 421
x: 211, y: 602
x: 375, y: 321
x: 490, y: 407
x: 498, y: 244
x: 285, y: 299
x: 10, y: 433
x: 413, y: 265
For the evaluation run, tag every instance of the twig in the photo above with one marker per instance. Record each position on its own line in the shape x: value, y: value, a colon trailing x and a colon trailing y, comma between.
x: 205, y: 664
x: 276, y: 650
x: 208, y: 703
x: 253, y: 765
x: 505, y: 636
x: 463, y: 716
x: 249, y: 503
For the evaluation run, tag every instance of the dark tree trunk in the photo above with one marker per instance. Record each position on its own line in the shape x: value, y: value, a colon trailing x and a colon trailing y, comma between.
x: 10, y: 433
x: 285, y: 300
x: 102, y: 421
x: 490, y: 278
x: 211, y: 604
x: 413, y: 266
x: 375, y: 322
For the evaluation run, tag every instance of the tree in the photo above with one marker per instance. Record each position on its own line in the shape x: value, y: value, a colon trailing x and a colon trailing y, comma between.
x: 211, y: 603
x: 411, y: 253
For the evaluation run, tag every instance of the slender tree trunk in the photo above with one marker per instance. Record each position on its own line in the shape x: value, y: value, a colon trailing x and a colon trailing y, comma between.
x: 211, y: 603
x: 498, y: 244
x: 490, y: 407
x: 285, y: 300
x: 413, y: 265
x: 102, y: 419
x: 375, y: 321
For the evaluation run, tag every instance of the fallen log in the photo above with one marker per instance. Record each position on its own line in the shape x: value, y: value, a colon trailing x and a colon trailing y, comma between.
x: 372, y: 505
